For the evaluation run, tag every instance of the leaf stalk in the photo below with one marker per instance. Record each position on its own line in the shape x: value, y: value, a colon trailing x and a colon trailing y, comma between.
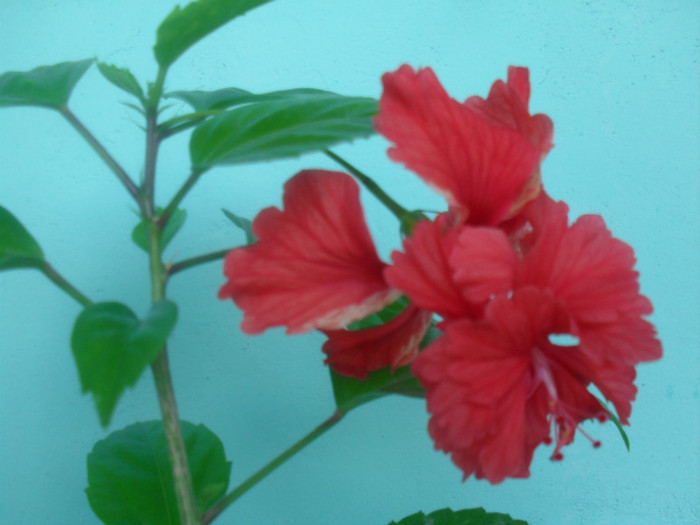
x: 261, y: 474
x: 104, y: 155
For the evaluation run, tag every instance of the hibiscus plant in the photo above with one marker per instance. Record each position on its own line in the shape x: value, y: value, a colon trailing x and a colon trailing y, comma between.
x: 498, y: 311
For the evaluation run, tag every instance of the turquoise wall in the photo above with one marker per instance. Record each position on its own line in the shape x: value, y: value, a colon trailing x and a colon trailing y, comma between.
x: 621, y: 81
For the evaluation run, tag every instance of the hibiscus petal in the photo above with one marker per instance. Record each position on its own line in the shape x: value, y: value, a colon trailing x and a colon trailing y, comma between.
x: 507, y: 104
x: 593, y: 275
x: 314, y: 265
x: 483, y: 262
x: 355, y: 353
x: 476, y: 163
x: 423, y: 273
x: 477, y: 391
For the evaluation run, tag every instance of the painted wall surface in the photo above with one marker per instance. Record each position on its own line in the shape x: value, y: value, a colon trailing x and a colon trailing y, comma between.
x: 621, y: 80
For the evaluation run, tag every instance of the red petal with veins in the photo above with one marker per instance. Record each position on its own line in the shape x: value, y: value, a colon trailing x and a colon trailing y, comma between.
x: 423, y: 272
x: 483, y: 263
x: 507, y: 104
x: 593, y: 275
x: 314, y: 265
x: 356, y: 353
x: 475, y: 162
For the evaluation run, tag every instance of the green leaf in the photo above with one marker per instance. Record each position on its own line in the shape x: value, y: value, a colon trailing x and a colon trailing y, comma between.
x: 476, y: 516
x: 112, y: 347
x: 350, y: 393
x: 18, y: 249
x: 130, y: 480
x: 229, y: 97
x: 384, y: 316
x: 46, y: 86
x: 243, y: 224
x: 122, y: 78
x: 208, y: 100
x: 184, y: 27
x: 276, y: 129
x: 140, y: 233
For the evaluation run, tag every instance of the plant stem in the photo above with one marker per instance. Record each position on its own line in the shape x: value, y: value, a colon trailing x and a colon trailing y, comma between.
x: 166, y: 397
x: 261, y: 474
x: 64, y: 285
x: 104, y: 155
x: 152, y: 142
x: 182, y: 479
x: 182, y: 192
x: 394, y: 207
x: 196, y: 261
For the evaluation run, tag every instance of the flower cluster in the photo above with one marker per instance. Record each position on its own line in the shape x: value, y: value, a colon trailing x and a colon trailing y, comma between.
x: 502, y: 271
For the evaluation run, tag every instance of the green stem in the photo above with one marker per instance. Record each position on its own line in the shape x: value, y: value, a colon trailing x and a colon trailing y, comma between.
x: 261, y: 474
x: 166, y: 397
x: 394, y: 207
x: 64, y: 285
x: 177, y: 199
x: 196, y: 261
x: 104, y: 154
x: 156, y: 90
x: 182, y: 479
x: 152, y: 143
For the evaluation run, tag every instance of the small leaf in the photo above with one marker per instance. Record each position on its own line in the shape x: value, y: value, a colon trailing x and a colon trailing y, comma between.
x: 476, y: 516
x: 18, y: 249
x: 184, y: 27
x: 384, y: 316
x: 229, y: 97
x: 46, y: 86
x: 130, y: 480
x: 350, y: 393
x: 122, y: 78
x: 243, y: 224
x: 112, y: 348
x: 280, y: 128
x: 140, y: 233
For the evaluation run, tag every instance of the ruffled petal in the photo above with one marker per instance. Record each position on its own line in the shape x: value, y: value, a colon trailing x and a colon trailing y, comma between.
x: 483, y: 263
x: 423, y: 273
x: 475, y: 162
x: 593, y: 275
x: 356, y: 353
x: 314, y: 264
x: 477, y: 388
x: 507, y: 104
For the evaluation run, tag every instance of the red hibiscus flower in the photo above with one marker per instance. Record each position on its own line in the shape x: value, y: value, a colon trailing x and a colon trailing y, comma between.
x: 495, y: 382
x: 482, y: 155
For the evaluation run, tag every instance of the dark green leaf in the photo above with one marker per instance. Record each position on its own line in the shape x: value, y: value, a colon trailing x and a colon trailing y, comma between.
x: 183, y: 27
x: 46, y: 86
x: 280, y: 128
x: 130, y: 480
x: 476, y: 516
x: 112, y: 347
x: 122, y: 78
x: 140, y: 233
x: 229, y: 97
x: 18, y: 249
x: 350, y: 393
x: 243, y: 224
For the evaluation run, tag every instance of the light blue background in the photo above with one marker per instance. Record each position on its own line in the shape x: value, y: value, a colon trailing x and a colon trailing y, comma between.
x: 621, y: 82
